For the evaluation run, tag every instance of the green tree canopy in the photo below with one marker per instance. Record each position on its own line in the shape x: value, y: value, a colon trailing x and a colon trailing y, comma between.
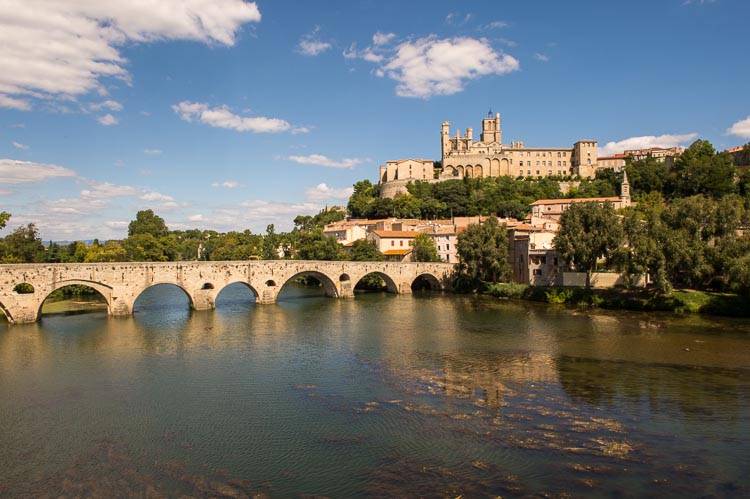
x: 700, y: 170
x: 424, y: 249
x: 363, y: 250
x: 147, y: 222
x: 588, y: 232
x: 483, y: 253
x: 23, y: 245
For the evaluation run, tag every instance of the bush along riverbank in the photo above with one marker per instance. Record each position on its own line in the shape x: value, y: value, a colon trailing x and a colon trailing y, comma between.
x: 678, y: 301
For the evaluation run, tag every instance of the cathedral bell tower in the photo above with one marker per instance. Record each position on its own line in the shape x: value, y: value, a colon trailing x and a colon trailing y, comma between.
x: 491, y: 129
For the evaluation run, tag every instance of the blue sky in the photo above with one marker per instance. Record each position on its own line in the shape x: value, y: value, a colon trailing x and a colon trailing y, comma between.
x: 241, y: 114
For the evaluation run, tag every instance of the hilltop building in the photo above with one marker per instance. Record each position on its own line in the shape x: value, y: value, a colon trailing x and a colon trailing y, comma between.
x: 461, y: 155
x: 554, y: 208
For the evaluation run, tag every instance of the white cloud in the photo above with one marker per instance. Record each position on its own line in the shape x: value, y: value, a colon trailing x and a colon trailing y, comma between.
x: 107, y: 120
x: 18, y: 145
x: 222, y: 117
x: 152, y: 152
x: 741, y: 128
x: 311, y: 44
x: 196, y: 218
x: 105, y: 190
x: 229, y: 184
x: 494, y: 25
x: 75, y: 206
x: 64, y: 49
x: 323, y: 192
x: 380, y: 38
x: 301, y: 129
x: 646, y: 141
x: 156, y: 196
x: 5, y: 192
x: 431, y: 66
x: 111, y: 105
x: 321, y: 160
x: 541, y: 57
x: 16, y: 172
x: 13, y: 103
x: 116, y: 224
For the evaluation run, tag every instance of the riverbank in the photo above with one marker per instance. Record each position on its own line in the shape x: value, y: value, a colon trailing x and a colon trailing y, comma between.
x: 678, y: 301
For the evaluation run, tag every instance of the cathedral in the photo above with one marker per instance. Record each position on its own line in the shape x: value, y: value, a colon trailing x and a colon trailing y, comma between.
x: 463, y: 156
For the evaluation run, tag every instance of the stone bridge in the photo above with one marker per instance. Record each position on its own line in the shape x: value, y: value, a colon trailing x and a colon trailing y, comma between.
x: 121, y: 283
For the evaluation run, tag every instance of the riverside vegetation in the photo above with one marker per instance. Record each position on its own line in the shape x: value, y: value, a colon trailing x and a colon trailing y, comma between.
x: 688, y: 230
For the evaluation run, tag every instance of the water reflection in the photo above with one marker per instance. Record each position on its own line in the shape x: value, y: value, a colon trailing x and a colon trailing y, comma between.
x: 379, y: 395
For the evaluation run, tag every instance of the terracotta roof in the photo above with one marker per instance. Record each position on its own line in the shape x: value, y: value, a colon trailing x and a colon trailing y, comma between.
x: 395, y: 233
x: 399, y: 252
x: 576, y: 200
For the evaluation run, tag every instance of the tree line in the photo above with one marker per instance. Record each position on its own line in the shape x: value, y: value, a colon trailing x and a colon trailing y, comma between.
x: 150, y: 240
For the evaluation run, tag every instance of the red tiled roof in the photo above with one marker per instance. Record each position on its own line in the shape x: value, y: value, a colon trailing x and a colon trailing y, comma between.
x: 575, y: 200
x: 396, y: 233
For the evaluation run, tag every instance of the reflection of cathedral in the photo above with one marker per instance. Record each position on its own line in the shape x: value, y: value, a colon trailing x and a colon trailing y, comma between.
x: 463, y: 156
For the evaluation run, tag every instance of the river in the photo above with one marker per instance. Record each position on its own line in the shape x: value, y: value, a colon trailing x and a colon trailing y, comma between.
x: 381, y: 395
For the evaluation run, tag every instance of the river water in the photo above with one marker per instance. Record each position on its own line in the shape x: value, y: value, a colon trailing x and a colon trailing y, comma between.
x: 379, y: 395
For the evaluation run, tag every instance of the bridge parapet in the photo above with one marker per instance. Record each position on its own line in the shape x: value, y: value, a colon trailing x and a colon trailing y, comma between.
x: 121, y: 283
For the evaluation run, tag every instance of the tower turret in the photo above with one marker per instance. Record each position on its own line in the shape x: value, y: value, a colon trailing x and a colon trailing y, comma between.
x: 491, y: 129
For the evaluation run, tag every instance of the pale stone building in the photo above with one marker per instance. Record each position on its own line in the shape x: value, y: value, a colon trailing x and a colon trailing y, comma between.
x: 660, y: 154
x: 464, y: 156
x: 396, y: 245
x: 554, y: 208
x: 413, y: 169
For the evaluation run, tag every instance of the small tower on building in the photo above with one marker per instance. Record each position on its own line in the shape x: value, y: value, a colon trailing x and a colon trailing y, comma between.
x: 491, y: 130
x: 625, y: 189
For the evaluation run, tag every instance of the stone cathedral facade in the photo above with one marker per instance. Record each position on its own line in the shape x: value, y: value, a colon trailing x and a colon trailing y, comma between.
x: 464, y: 156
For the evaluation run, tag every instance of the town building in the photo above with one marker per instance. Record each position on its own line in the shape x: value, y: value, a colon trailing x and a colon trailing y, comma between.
x: 396, y: 245
x: 532, y: 255
x: 660, y: 154
x: 554, y: 208
x: 614, y: 162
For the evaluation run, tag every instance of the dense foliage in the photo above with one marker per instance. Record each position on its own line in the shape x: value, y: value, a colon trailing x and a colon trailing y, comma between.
x: 588, y: 232
x: 483, y: 255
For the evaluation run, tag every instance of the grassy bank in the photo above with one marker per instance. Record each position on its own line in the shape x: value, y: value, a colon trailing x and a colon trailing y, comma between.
x: 679, y: 301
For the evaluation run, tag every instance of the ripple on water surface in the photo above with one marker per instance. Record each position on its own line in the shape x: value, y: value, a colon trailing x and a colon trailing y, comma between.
x: 378, y: 395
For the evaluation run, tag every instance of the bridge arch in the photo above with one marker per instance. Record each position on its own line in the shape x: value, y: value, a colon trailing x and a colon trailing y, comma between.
x: 328, y: 283
x: 249, y: 286
x: 139, y: 293
x: 102, y: 290
x: 426, y: 281
x: 390, y: 284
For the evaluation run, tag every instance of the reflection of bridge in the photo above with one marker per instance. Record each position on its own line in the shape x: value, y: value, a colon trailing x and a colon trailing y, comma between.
x: 121, y: 283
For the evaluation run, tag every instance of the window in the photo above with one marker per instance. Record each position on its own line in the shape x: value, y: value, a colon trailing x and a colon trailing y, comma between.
x: 401, y: 243
x: 393, y: 243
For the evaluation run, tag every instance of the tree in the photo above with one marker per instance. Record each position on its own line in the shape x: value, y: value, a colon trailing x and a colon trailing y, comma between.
x: 483, y: 253
x: 363, y: 195
x: 588, y: 231
x: 700, y: 170
x: 363, y: 250
x: 424, y: 249
x: 145, y: 247
x: 111, y: 251
x: 314, y: 245
x: 147, y: 222
x: 647, y: 175
x: 271, y: 244
x: 23, y: 245
x: 4, y: 217
x: 643, y: 252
